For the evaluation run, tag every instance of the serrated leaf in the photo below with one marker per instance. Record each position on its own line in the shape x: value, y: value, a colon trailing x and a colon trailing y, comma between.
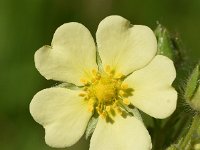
x: 91, y: 126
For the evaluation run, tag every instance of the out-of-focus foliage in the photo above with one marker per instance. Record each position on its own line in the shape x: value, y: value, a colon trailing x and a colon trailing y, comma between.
x: 26, y: 25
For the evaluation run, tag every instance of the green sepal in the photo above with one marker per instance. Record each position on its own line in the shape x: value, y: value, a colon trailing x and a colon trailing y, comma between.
x: 195, y: 102
x: 68, y: 86
x: 132, y: 111
x: 99, y: 62
x: 192, y: 90
x: 91, y: 126
x: 192, y: 84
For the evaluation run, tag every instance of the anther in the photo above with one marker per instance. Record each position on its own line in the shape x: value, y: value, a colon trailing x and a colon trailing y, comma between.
x: 126, y: 101
x: 91, y: 101
x: 98, y: 76
x: 108, y: 108
x: 85, y: 89
x: 84, y: 81
x: 82, y: 94
x: 108, y: 69
x: 124, y: 86
x: 93, y: 80
x: 121, y: 93
x: 90, y: 108
x: 94, y: 72
x: 98, y: 110
x: 115, y: 104
x: 118, y: 110
x: 103, y: 115
x: 118, y: 75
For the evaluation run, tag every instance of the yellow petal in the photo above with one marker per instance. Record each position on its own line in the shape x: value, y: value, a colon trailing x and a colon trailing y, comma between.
x: 123, y: 46
x: 60, y: 111
x: 71, y: 56
x: 153, y: 92
x: 124, y: 134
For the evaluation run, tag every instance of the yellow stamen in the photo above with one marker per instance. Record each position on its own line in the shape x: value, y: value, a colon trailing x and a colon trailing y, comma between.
x: 82, y: 94
x: 108, y: 108
x: 121, y: 93
x: 103, y: 115
x: 98, y: 76
x: 90, y: 108
x: 94, y: 72
x: 85, y: 89
x: 115, y: 104
x: 118, y: 75
x: 126, y: 101
x: 84, y: 81
x: 93, y: 80
x: 105, y: 92
x: 91, y: 101
x: 108, y: 69
x: 118, y: 110
x: 124, y: 86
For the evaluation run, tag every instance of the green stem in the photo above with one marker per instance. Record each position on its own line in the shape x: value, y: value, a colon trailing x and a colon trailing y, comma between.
x: 187, y: 139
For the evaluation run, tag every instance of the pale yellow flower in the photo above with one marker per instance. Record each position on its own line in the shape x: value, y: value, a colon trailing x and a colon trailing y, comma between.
x: 131, y: 75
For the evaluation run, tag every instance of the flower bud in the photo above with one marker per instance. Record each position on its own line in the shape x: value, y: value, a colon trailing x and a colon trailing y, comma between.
x: 167, y: 45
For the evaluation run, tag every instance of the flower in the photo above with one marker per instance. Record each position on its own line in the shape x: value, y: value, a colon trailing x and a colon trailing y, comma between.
x: 130, y: 74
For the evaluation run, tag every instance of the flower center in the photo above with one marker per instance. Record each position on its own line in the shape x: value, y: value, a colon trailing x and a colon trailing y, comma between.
x: 104, y: 89
x: 106, y: 93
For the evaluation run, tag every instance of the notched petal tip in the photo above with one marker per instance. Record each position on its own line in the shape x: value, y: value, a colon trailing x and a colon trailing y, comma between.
x: 124, y: 46
x: 71, y: 56
x: 72, y: 28
x: 153, y: 93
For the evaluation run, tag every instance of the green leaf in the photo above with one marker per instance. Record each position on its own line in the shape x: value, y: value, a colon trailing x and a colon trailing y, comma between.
x: 91, y: 126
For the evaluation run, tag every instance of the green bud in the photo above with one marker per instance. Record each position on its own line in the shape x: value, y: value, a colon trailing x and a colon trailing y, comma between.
x: 192, y: 90
x: 195, y: 102
x: 167, y: 45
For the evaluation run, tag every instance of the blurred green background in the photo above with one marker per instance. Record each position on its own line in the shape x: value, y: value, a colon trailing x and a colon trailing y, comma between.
x: 26, y: 25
